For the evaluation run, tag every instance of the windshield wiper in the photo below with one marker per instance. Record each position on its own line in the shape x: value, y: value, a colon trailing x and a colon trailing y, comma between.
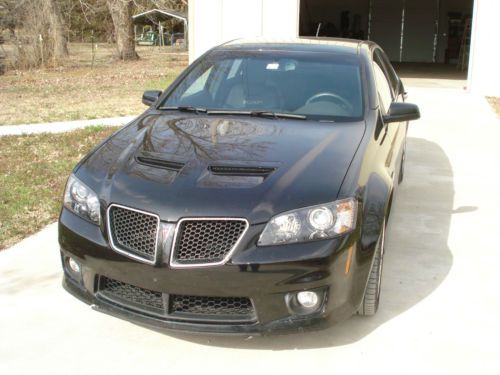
x: 196, y: 110
x: 271, y: 114
x: 267, y: 114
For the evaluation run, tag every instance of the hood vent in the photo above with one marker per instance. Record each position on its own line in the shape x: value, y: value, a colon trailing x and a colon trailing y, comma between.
x: 241, y: 171
x: 156, y: 162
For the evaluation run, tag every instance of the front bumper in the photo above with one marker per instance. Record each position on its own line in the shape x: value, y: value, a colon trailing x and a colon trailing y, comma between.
x: 283, y: 325
x: 337, y: 268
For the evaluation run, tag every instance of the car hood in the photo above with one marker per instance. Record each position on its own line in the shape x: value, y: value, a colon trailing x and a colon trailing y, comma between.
x: 188, y: 165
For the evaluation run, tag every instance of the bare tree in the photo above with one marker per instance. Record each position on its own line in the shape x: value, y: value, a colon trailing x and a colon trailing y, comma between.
x: 121, y: 13
x: 57, y: 29
x: 85, y: 19
x: 36, y: 32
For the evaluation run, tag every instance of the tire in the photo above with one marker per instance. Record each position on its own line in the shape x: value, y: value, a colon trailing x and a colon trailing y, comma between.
x: 402, y: 167
x: 371, y: 299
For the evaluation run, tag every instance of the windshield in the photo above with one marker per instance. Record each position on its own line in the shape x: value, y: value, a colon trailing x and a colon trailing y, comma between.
x: 316, y: 85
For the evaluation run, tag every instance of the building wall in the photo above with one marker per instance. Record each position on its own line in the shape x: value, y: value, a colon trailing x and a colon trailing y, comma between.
x: 213, y: 22
x: 484, y: 76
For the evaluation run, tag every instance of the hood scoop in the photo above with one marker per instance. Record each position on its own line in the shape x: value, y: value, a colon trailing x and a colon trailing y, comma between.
x: 157, y: 160
x: 157, y: 167
x: 234, y: 177
x: 241, y: 171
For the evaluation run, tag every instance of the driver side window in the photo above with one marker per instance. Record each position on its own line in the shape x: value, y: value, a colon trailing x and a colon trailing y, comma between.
x: 383, y: 87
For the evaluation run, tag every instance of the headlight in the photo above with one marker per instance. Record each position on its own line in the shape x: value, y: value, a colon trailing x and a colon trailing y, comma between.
x: 81, y: 200
x: 310, y: 223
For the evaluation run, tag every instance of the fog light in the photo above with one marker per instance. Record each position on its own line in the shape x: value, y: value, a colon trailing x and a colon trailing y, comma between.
x: 73, y: 264
x: 308, y: 299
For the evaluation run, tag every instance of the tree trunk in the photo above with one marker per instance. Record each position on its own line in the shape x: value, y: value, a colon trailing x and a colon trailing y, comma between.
x: 121, y: 13
x: 57, y: 30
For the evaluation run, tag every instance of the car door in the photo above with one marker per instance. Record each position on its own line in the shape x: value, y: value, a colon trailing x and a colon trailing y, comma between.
x: 398, y: 130
x: 389, y: 91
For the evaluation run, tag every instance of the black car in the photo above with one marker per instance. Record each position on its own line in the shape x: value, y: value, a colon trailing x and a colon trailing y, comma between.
x: 252, y: 196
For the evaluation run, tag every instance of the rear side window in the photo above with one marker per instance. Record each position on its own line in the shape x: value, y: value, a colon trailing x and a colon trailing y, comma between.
x: 383, y: 87
x: 391, y: 73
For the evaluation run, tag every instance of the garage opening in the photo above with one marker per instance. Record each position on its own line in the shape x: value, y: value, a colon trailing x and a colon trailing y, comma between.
x: 425, y: 39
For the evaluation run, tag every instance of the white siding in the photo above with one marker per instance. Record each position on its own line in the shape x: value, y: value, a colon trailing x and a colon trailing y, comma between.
x: 213, y: 22
x: 241, y: 19
x: 205, y: 26
x: 484, y: 75
x: 280, y: 18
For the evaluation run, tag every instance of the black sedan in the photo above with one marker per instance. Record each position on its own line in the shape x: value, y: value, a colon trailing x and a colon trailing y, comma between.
x: 252, y: 196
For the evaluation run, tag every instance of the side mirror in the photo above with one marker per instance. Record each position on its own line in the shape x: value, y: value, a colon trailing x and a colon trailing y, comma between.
x: 149, y: 97
x: 402, y: 112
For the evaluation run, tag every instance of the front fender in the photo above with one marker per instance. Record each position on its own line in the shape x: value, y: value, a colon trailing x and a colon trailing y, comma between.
x: 369, y: 180
x: 376, y: 198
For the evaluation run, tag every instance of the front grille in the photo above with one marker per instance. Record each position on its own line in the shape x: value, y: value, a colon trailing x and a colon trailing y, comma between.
x: 206, y: 241
x: 174, y: 306
x: 231, y: 308
x: 133, y: 232
x: 131, y: 295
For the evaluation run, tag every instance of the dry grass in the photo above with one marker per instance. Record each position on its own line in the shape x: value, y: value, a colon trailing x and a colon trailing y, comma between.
x: 79, y: 91
x: 495, y: 103
x: 33, y: 171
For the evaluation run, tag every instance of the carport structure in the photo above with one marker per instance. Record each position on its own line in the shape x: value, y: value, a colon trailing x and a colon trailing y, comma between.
x: 170, y: 25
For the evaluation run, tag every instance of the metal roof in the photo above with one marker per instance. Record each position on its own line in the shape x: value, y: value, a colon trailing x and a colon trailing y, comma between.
x: 156, y: 15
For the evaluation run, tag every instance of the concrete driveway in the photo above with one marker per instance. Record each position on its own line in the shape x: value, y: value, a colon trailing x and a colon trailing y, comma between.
x: 440, y: 307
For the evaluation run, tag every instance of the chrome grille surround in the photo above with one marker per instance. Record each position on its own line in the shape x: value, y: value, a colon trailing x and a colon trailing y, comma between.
x: 175, y: 262
x: 148, y: 255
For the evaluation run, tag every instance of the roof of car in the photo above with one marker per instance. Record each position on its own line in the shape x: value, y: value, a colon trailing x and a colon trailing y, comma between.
x: 338, y: 45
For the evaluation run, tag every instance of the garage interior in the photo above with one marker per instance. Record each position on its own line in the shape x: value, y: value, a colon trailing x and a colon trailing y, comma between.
x: 423, y: 38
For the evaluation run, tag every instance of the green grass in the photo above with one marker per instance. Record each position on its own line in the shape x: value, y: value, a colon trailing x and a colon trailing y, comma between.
x: 158, y: 84
x: 76, y: 91
x: 33, y: 172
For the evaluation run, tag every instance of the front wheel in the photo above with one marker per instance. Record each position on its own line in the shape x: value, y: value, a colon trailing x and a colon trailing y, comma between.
x: 371, y: 299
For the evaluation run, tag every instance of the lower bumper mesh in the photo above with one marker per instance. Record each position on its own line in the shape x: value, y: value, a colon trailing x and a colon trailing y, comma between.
x: 224, y: 308
x: 131, y: 296
x: 182, y: 307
